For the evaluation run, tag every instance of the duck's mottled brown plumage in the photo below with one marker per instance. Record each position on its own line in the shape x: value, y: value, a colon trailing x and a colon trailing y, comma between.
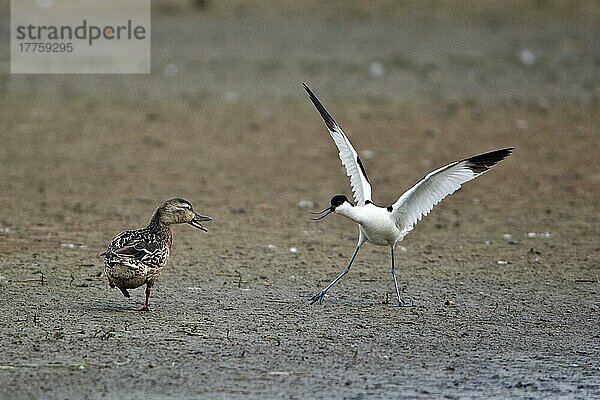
x: 136, y: 257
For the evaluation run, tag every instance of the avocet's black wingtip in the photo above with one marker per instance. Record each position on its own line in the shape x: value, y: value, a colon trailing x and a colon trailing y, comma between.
x: 482, y: 162
x: 329, y: 121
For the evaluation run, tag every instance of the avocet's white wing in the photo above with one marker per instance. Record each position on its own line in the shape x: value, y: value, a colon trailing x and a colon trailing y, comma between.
x: 419, y: 200
x: 361, y: 188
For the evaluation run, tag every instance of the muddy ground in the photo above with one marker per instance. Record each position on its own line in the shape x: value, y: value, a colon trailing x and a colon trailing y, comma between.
x: 503, y: 274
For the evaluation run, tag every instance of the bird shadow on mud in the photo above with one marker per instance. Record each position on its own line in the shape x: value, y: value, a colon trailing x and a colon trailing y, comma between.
x: 110, y: 307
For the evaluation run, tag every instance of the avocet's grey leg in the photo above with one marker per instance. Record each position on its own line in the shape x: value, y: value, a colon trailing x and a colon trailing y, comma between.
x: 400, y: 302
x: 319, y: 296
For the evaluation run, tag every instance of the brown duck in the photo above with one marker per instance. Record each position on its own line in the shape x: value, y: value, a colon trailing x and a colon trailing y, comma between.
x: 136, y: 257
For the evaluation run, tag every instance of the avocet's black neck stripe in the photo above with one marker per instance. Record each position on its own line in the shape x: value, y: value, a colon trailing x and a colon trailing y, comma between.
x: 329, y: 121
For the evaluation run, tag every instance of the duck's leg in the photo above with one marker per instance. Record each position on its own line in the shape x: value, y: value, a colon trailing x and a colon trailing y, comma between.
x: 145, y: 306
x: 400, y: 302
x: 319, y: 296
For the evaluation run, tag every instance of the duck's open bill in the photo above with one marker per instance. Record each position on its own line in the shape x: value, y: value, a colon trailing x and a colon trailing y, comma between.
x: 196, y: 222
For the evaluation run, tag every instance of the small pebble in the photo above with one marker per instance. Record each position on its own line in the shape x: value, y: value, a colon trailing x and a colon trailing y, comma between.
x: 305, y: 204
x: 312, y: 232
x: 522, y: 124
x: 500, y: 262
x: 527, y: 57
x: 367, y: 154
x: 293, y: 250
x: 544, y: 235
x: 232, y: 97
x: 73, y: 246
x: 270, y: 248
x: 376, y: 69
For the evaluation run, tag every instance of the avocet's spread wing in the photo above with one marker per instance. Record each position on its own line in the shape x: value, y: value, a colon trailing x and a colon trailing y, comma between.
x: 419, y: 200
x: 361, y: 188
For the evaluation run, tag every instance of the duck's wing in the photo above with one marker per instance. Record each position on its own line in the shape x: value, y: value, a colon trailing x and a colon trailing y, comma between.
x: 135, y: 245
x: 419, y: 200
x: 361, y: 188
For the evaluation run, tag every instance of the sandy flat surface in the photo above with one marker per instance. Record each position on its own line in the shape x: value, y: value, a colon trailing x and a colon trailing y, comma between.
x: 503, y: 274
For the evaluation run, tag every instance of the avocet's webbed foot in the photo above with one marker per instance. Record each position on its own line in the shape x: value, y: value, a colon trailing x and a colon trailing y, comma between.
x: 318, y: 297
x: 143, y: 308
x: 402, y: 303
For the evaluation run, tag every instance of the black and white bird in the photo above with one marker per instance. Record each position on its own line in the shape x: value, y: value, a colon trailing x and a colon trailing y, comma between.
x: 137, y: 257
x: 386, y: 226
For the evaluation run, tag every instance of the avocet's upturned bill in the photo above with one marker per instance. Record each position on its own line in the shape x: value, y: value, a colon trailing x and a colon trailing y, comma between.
x: 386, y: 226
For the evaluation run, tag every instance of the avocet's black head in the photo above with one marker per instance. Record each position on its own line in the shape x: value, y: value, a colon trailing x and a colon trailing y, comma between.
x: 336, y: 201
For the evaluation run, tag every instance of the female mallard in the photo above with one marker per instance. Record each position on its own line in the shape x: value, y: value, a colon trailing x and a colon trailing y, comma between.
x: 134, y: 258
